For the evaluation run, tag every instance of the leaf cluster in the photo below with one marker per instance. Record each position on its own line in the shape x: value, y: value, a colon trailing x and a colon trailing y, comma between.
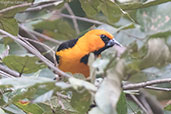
x: 142, y: 27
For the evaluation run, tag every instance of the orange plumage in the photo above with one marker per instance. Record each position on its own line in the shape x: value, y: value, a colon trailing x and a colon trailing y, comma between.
x: 72, y: 55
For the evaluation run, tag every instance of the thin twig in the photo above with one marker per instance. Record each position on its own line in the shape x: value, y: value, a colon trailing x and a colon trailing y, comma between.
x: 9, y: 71
x: 82, y: 19
x: 62, y: 95
x: 147, y: 83
x: 36, y: 53
x: 49, y: 49
x: 40, y: 35
x: 13, y: 7
x: 158, y: 88
x: 130, y: 35
x: 139, y: 103
x: 6, y: 75
x: 142, y: 98
x: 44, y: 45
x: 38, y: 47
x: 3, y: 36
x: 73, y: 19
x: 47, y: 5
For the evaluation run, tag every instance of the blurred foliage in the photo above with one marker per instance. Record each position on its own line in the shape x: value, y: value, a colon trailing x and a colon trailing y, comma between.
x: 56, y: 29
x: 23, y: 64
x: 122, y: 103
x: 168, y: 107
x: 142, y: 26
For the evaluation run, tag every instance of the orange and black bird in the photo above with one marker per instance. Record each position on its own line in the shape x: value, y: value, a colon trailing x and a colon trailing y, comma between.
x: 72, y: 56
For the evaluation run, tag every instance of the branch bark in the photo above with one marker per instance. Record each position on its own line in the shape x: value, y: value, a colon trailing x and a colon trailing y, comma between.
x: 82, y: 19
x: 16, y: 6
x: 24, y: 33
x: 146, y: 84
x: 46, y: 5
x: 40, y: 35
x: 36, y: 53
x: 158, y: 88
x: 9, y: 71
x: 73, y: 19
x: 139, y: 104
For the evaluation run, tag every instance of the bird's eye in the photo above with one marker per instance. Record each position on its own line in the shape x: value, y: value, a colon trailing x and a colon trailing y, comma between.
x: 104, y: 38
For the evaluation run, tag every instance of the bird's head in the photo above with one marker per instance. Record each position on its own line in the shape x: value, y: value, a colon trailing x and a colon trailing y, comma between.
x: 98, y: 40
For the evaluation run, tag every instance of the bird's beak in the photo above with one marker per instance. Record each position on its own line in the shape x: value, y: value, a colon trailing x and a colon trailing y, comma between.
x: 113, y: 42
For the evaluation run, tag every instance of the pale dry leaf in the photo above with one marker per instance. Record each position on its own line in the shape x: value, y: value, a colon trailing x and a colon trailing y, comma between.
x: 76, y: 83
x: 108, y: 94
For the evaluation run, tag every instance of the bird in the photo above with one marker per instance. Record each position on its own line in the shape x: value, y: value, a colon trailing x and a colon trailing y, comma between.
x: 72, y: 55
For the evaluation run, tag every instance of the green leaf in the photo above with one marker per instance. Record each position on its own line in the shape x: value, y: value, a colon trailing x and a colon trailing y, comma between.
x: 7, y: 22
x: 90, y: 7
x: 56, y: 29
x: 25, y: 64
x: 9, y: 25
x: 122, y: 105
x: 110, y: 10
x: 30, y: 108
x: 46, y: 108
x: 168, y: 107
x: 81, y: 100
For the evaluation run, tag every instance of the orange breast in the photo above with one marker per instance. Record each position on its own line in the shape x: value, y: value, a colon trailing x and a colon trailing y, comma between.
x: 70, y: 61
x: 74, y: 67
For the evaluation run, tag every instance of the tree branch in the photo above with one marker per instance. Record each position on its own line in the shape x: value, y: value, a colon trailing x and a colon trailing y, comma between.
x: 13, y: 7
x: 73, y: 19
x: 36, y: 53
x: 46, y: 5
x: 6, y: 75
x: 9, y: 71
x: 147, y: 83
x: 40, y: 35
x: 158, y: 88
x: 82, y: 19
x: 37, y: 42
x: 40, y: 48
x: 139, y: 103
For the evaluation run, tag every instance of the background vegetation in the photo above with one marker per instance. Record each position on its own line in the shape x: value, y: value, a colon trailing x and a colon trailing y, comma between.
x: 30, y: 32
